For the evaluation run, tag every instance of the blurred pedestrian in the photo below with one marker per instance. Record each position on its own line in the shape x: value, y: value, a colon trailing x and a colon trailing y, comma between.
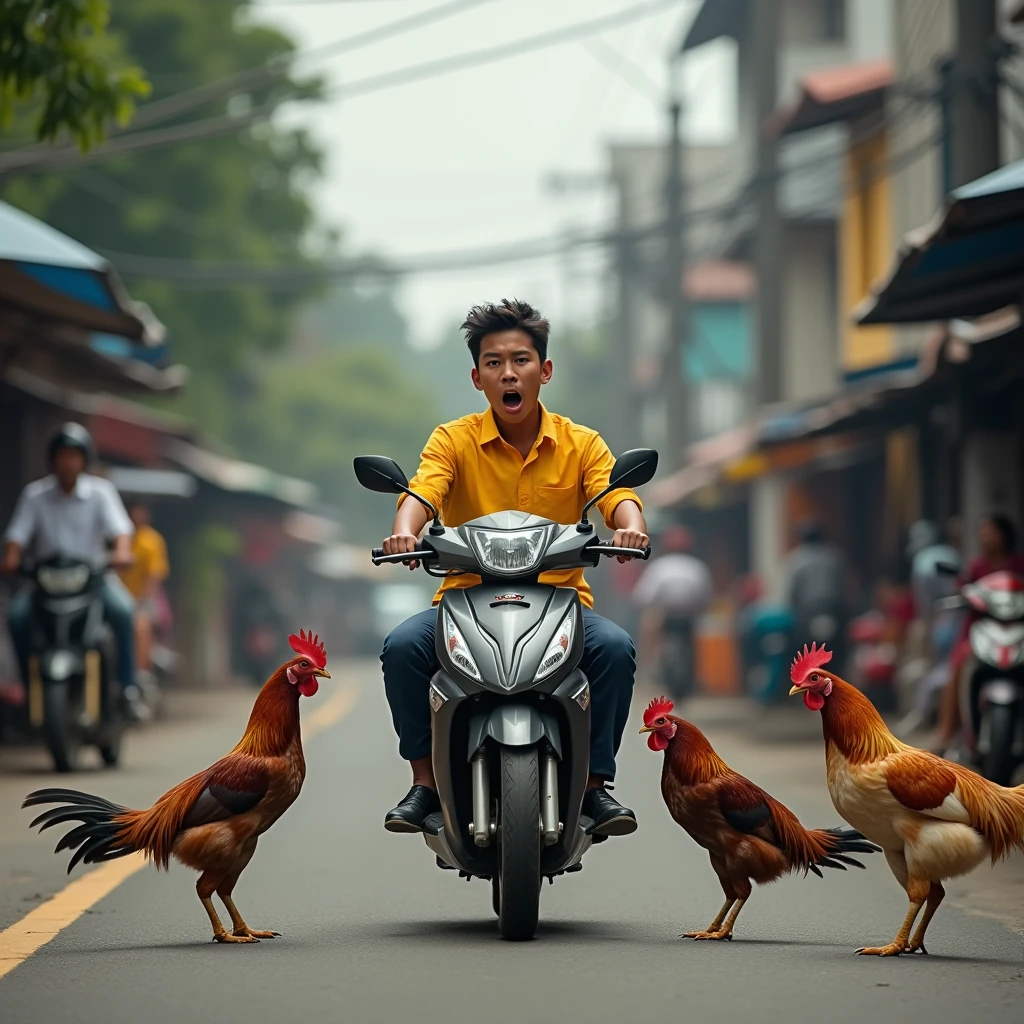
x: 143, y: 580
x: 816, y: 577
x: 673, y: 591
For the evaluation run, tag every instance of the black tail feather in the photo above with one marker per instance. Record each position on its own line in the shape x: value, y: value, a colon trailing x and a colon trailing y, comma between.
x: 96, y: 838
x: 844, y: 842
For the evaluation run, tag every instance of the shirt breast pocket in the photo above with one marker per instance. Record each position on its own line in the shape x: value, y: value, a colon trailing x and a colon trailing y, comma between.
x: 562, y: 504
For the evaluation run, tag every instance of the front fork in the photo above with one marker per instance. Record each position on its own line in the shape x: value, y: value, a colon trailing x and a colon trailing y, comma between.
x: 551, y: 827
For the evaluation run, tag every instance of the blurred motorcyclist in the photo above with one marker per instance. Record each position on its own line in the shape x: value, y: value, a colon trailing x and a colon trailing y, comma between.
x: 673, y: 591
x: 816, y: 575
x: 74, y: 514
x: 997, y: 541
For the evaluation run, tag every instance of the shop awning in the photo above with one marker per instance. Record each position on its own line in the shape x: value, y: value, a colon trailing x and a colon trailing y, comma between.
x: 969, y: 262
x: 715, y: 18
x: 842, y: 93
x: 152, y: 483
x: 47, y: 274
x: 239, y: 477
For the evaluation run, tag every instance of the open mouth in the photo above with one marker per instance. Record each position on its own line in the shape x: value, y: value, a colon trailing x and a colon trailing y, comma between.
x: 512, y: 400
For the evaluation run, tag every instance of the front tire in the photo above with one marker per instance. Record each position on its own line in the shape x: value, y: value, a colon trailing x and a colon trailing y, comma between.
x: 60, y: 727
x: 999, y: 762
x: 519, y: 870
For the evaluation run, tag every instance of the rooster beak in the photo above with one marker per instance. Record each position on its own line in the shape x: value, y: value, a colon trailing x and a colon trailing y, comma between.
x: 322, y: 672
x: 794, y: 691
x: 646, y: 728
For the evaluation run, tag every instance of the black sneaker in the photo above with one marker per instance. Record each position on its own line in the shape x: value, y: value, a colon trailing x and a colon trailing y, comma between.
x: 412, y: 809
x: 609, y: 816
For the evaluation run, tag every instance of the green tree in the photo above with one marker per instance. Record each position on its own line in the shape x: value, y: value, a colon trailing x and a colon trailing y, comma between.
x: 56, y: 56
x: 310, y: 416
x: 237, y: 197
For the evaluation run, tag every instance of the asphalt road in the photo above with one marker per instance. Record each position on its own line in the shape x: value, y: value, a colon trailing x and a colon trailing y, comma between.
x: 372, y: 931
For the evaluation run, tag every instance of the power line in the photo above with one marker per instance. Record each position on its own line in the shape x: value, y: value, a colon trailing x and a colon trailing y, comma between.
x: 23, y: 162
x: 274, y: 69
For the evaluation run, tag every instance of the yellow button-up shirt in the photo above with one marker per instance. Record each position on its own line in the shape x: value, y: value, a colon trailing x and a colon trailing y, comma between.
x: 469, y: 470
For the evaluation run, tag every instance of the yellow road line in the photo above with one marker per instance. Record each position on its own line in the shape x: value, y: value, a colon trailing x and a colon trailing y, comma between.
x: 23, y: 938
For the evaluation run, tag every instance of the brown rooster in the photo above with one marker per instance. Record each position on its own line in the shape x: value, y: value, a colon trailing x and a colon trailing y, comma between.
x: 210, y: 822
x: 933, y: 819
x: 749, y: 834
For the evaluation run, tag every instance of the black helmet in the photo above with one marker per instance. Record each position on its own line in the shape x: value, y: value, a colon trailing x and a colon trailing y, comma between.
x: 71, y: 435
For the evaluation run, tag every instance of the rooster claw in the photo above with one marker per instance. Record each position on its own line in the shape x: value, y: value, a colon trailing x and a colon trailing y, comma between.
x: 711, y: 936
x: 893, y: 949
x: 260, y: 934
x: 224, y: 937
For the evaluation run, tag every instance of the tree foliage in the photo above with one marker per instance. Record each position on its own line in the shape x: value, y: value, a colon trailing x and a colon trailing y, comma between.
x: 56, y: 56
x: 242, y: 197
x: 311, y: 416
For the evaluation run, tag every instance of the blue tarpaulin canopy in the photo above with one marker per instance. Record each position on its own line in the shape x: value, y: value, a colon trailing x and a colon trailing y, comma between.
x: 967, y: 263
x: 48, y: 275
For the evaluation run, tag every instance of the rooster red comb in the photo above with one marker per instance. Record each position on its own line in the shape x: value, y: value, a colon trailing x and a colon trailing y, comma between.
x: 658, y: 707
x: 807, y: 661
x: 309, y: 646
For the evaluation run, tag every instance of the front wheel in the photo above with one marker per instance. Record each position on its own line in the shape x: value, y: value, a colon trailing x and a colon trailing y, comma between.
x: 519, y: 825
x: 999, y: 762
x: 63, y: 737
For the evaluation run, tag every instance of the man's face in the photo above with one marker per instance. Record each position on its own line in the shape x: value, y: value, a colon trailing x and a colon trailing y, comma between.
x: 68, y: 463
x: 139, y: 515
x: 510, y: 374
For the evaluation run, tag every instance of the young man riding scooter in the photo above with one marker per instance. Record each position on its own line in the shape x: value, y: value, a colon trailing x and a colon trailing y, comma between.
x: 515, y: 455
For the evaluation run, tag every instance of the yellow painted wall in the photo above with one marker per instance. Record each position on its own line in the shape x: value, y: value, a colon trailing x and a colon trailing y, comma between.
x: 866, y: 250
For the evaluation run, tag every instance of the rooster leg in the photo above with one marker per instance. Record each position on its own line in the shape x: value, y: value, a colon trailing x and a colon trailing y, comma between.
x: 935, y: 897
x: 205, y: 887
x: 918, y: 890
x: 227, y: 886
x: 712, y: 928
x: 725, y: 932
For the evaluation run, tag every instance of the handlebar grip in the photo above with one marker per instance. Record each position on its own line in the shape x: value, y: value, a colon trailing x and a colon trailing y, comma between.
x: 378, y: 557
x: 610, y: 549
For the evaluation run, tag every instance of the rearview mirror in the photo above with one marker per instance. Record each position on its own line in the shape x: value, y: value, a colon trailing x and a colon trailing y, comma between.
x: 379, y: 473
x: 634, y: 468
x: 631, y: 469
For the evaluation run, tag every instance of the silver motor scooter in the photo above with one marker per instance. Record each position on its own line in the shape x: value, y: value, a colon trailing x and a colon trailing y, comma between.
x: 510, y: 705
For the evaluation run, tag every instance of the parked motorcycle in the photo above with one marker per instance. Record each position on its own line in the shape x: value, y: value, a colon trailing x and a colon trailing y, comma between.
x: 992, y: 684
x: 510, y: 705
x: 677, y: 656
x: 73, y: 689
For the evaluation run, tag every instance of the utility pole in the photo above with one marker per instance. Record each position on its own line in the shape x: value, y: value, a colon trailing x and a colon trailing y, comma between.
x: 768, y: 240
x: 678, y: 412
x: 974, y: 101
x: 626, y: 429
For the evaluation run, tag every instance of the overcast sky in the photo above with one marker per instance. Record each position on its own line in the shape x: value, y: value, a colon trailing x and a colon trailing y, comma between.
x: 461, y: 161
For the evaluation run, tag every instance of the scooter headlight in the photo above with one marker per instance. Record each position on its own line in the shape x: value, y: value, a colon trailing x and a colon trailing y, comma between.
x: 560, y: 646
x: 458, y: 649
x: 57, y: 582
x: 509, y: 551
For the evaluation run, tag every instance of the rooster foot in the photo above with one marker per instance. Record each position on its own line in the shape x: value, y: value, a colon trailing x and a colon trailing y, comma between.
x: 915, y: 948
x: 712, y: 936
x: 225, y: 937
x: 253, y: 933
x: 893, y: 949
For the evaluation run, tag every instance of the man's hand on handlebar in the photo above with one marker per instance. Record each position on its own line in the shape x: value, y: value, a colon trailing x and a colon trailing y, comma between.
x: 629, y: 539
x: 12, y: 558
x: 398, y: 543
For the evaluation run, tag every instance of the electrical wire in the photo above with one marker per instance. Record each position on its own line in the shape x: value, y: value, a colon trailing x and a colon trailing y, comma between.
x: 21, y: 162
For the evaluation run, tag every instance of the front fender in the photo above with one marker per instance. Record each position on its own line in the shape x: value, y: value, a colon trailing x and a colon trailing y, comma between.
x: 513, y: 725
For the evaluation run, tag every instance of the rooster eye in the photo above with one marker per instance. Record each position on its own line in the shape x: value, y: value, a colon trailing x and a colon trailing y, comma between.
x: 660, y: 721
x: 815, y: 677
x: 303, y: 664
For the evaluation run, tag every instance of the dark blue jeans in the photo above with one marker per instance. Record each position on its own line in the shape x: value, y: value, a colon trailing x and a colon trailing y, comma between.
x: 118, y: 608
x: 609, y: 662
